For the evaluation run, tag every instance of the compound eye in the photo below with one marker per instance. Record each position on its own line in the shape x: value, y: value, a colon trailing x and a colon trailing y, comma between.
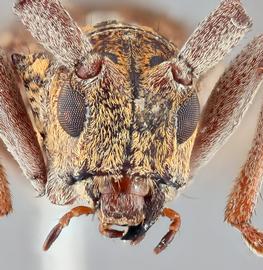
x: 72, y: 111
x: 187, y: 118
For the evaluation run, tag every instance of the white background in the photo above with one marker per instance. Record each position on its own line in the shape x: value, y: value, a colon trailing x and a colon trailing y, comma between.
x: 204, y: 241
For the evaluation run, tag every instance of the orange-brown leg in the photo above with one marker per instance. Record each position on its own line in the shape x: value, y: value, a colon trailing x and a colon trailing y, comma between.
x: 225, y: 108
x: 242, y: 201
x: 106, y: 231
x: 173, y: 229
x: 64, y: 221
x: 5, y: 196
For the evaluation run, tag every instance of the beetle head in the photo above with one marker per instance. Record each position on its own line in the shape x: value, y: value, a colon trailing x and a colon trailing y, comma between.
x: 121, y: 114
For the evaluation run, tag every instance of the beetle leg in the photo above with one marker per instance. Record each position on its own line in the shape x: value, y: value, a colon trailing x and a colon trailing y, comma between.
x: 16, y: 129
x: 173, y: 229
x: 224, y: 110
x: 228, y: 102
x: 64, y: 221
x: 106, y: 231
x: 5, y: 196
x: 242, y: 200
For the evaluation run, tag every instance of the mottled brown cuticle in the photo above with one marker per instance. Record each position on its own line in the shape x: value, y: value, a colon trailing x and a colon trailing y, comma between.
x: 116, y: 115
x: 260, y: 67
x: 87, y: 71
x: 184, y: 79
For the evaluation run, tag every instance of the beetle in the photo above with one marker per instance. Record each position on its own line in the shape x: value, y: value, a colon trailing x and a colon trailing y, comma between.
x: 115, y: 118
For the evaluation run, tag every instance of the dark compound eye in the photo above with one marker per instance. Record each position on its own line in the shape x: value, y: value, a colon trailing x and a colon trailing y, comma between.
x: 187, y: 118
x: 72, y: 111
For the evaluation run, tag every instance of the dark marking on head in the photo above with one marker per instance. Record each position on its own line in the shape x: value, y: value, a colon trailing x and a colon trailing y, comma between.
x: 156, y: 60
x: 113, y: 57
x: 19, y: 61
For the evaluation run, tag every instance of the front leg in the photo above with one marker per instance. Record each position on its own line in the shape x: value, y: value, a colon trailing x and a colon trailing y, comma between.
x: 225, y: 108
x: 242, y: 201
x: 17, y: 132
x: 228, y: 103
x: 5, y: 197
